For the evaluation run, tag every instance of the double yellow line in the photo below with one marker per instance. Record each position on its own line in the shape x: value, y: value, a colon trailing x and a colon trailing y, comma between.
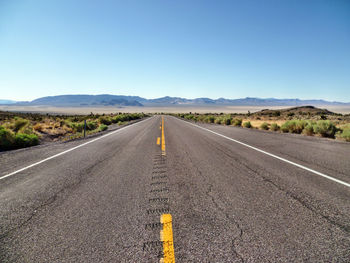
x: 163, y: 137
x: 166, y: 234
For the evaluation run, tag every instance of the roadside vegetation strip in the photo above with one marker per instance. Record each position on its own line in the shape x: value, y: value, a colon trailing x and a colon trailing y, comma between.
x: 276, y: 156
x: 305, y: 120
x: 69, y: 150
x: 19, y: 130
x: 166, y: 236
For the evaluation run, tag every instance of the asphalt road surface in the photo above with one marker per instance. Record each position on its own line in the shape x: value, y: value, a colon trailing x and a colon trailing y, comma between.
x: 102, y: 199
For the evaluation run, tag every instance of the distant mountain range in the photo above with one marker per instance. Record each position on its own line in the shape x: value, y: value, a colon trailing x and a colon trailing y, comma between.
x: 121, y: 101
x: 7, y: 101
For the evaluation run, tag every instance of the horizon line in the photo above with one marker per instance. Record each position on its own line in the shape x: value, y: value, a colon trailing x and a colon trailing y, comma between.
x: 191, y: 98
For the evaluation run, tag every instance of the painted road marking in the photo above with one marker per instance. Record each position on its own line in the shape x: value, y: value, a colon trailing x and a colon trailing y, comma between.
x: 163, y: 137
x: 69, y: 150
x: 158, y: 141
x: 275, y: 156
x: 166, y: 236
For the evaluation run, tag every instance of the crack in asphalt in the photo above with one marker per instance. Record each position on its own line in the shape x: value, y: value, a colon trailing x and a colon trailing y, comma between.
x: 290, y: 194
x: 208, y: 193
x: 45, y: 203
x: 308, y: 206
x: 49, y: 201
x: 24, y: 222
x: 239, y: 237
x: 80, y: 178
x: 3, y: 254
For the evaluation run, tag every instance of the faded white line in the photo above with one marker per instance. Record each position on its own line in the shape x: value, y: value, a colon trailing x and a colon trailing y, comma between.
x: 69, y: 150
x: 276, y: 156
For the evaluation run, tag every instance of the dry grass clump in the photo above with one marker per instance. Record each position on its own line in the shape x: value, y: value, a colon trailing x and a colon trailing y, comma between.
x: 274, y: 127
x: 237, y: 122
x: 247, y: 124
x: 264, y: 126
x: 344, y: 132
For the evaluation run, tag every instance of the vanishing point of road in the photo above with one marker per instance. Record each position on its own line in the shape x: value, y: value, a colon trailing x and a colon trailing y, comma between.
x: 166, y: 190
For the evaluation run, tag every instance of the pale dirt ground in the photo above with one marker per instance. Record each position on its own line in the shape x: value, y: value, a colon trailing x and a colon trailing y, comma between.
x: 257, y: 123
x: 174, y: 109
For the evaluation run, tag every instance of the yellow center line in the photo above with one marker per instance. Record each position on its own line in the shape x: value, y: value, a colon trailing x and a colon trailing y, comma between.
x: 166, y: 236
x: 158, y: 141
x: 163, y: 138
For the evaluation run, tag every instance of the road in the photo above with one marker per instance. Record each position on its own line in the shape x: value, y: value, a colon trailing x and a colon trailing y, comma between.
x: 101, y: 199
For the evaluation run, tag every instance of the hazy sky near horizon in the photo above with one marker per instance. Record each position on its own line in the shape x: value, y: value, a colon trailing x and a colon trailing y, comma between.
x: 183, y: 48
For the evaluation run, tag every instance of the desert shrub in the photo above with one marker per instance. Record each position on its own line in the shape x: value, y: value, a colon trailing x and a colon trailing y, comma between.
x: 247, y: 124
x: 300, y: 125
x: 77, y: 126
x: 124, y: 117
x: 105, y: 120
x: 309, y: 129
x: 218, y: 120
x: 290, y: 114
x: 19, y: 124
x: 276, y: 113
x: 345, y: 134
x: 117, y: 118
x: 264, y: 126
x: 285, y: 127
x: 27, y: 129
x: 103, y: 127
x: 203, y: 118
x: 227, y: 121
x: 237, y: 122
x: 7, y: 139
x: 294, y: 126
x: 189, y: 117
x: 135, y: 116
x: 38, y: 127
x: 325, y: 128
x: 209, y: 119
x: 26, y: 140
x: 91, y: 125
x: 274, y: 127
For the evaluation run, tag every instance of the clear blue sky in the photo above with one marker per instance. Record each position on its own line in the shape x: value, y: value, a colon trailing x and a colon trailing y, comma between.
x: 185, y: 48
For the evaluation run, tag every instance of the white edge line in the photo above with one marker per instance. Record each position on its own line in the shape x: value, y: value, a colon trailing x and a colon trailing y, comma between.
x: 69, y: 150
x: 275, y: 156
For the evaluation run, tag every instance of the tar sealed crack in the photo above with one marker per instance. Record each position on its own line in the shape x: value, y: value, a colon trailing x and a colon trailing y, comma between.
x: 237, y: 238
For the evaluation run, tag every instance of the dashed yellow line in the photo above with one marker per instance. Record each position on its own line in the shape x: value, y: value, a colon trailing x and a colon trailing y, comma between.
x: 158, y: 141
x: 166, y: 236
x: 163, y: 137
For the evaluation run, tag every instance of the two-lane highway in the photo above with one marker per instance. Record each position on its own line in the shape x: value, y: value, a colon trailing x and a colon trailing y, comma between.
x: 153, y: 187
